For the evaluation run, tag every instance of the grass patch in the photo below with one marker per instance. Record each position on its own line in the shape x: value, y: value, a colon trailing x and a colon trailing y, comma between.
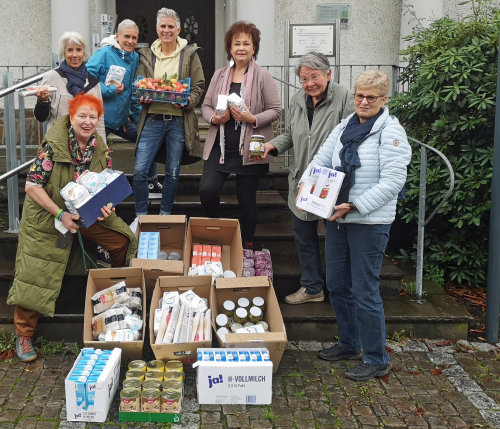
x: 269, y: 415
x: 300, y: 394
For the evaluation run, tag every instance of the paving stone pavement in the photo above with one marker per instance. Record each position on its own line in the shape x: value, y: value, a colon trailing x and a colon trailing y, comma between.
x: 432, y: 384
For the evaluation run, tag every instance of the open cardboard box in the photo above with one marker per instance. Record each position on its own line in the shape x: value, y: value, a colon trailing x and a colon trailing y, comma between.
x: 249, y: 287
x: 224, y: 232
x: 103, y: 278
x: 172, y: 231
x: 185, y: 352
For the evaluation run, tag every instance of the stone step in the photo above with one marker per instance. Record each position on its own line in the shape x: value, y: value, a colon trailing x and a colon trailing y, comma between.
x: 438, y: 317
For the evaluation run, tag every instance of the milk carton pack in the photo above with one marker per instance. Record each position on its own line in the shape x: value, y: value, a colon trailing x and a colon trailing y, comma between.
x: 149, y: 245
x: 320, y: 191
x: 91, y: 384
x: 234, y: 376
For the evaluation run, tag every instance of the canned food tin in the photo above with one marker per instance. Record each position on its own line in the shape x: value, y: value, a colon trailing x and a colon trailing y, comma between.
x: 135, y: 373
x: 156, y: 364
x: 130, y: 400
x: 255, y: 314
x: 243, y: 303
x: 172, y: 383
x: 138, y: 365
x: 171, y: 401
x: 154, y: 374
x: 174, y: 375
x: 258, y: 301
x: 150, y: 401
x: 132, y: 383
x: 174, y: 365
x: 240, y: 315
x: 228, y: 308
x: 152, y: 383
x: 222, y: 321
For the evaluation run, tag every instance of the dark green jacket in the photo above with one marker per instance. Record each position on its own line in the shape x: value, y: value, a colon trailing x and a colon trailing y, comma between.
x: 40, y: 264
x: 189, y: 66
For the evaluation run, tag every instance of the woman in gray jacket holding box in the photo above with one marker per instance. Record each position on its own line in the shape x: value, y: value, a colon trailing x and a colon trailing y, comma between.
x: 314, y: 111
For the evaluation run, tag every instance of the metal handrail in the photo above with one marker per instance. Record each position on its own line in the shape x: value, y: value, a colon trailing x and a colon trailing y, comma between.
x: 421, y: 212
x: 17, y: 170
x: 30, y: 80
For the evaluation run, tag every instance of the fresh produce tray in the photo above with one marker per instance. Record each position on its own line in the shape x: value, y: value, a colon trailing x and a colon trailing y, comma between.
x: 159, y: 90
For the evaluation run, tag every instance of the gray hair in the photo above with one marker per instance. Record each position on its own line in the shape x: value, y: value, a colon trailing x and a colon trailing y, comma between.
x: 169, y: 13
x: 126, y: 23
x: 74, y: 38
x: 313, y: 60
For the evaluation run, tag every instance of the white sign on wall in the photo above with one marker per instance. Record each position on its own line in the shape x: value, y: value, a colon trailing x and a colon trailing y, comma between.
x: 312, y: 37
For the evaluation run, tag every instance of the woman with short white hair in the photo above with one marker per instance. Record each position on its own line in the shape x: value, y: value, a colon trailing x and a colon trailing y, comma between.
x: 69, y: 79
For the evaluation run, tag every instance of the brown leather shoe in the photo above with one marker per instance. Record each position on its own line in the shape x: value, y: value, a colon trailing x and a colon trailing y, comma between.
x: 301, y: 297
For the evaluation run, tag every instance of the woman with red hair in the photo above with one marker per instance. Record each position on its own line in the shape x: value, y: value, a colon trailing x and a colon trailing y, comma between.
x: 70, y: 147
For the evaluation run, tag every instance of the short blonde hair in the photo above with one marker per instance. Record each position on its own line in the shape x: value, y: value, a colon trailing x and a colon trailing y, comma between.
x: 375, y: 79
x: 74, y: 38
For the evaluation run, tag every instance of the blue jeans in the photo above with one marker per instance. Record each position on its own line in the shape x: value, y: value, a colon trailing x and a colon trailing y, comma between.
x: 307, y: 243
x: 354, y: 255
x: 130, y: 134
x: 158, y: 130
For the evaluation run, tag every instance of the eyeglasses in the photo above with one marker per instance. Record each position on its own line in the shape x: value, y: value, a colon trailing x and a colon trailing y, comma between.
x: 369, y: 98
x: 312, y: 78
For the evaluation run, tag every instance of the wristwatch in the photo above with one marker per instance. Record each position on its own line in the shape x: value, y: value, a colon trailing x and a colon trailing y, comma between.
x: 352, y: 206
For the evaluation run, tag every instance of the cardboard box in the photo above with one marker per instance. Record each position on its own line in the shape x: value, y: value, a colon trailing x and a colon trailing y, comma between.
x: 226, y: 379
x: 110, y: 196
x: 223, y: 232
x: 320, y: 191
x: 185, y: 352
x: 249, y: 287
x: 79, y: 407
x: 103, y: 278
x: 172, y: 230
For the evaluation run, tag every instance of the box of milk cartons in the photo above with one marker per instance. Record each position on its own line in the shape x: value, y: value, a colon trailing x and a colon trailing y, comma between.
x: 234, y: 376
x: 91, y: 384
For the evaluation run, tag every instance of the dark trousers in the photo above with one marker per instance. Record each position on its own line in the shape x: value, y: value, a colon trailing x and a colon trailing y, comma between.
x: 246, y: 191
x: 308, y: 250
x: 114, y: 242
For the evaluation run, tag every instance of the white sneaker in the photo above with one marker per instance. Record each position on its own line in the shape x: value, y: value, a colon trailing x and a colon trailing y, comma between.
x: 133, y: 225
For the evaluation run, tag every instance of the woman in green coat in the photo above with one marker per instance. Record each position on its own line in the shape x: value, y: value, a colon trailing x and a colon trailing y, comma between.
x: 69, y: 148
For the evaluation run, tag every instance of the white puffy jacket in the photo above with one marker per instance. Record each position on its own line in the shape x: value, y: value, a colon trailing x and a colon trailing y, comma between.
x: 384, y: 155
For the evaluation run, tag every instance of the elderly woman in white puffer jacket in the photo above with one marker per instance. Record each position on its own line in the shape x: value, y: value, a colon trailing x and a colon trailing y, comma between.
x: 372, y: 149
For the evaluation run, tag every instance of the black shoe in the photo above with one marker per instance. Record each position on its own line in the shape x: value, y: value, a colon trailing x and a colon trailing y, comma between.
x: 155, y: 189
x: 103, y: 259
x: 338, y: 353
x: 366, y: 371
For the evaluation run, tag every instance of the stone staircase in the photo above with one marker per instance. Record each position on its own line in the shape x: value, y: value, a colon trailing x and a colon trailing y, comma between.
x: 439, y: 317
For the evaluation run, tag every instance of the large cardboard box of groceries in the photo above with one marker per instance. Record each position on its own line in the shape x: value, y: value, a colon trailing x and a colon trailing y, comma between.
x: 219, y: 237
x: 122, y: 327
x: 254, y: 292
x: 181, y: 307
x: 234, y: 376
x: 171, y: 231
x: 320, y: 191
x: 91, y: 385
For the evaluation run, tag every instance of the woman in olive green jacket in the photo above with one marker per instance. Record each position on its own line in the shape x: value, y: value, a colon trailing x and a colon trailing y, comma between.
x: 69, y: 148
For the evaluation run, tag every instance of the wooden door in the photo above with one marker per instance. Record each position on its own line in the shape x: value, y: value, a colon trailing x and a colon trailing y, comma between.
x: 197, y: 24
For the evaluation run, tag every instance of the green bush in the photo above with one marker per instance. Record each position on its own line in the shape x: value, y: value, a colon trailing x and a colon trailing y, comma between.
x: 450, y: 104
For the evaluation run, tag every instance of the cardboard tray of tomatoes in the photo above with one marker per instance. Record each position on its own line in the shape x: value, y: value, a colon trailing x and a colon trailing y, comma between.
x: 162, y: 96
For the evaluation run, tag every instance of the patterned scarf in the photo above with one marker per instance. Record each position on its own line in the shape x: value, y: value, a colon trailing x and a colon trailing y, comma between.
x: 80, y: 159
x: 245, y: 94
x: 76, y: 78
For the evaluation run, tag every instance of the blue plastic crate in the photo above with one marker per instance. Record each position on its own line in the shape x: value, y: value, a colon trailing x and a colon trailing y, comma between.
x: 162, y: 96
